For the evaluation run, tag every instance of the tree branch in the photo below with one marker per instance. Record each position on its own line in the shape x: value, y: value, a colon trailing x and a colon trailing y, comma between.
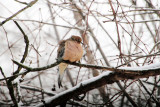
x: 96, y: 82
x: 9, y: 18
x: 25, y: 52
x: 121, y: 73
x: 128, y: 70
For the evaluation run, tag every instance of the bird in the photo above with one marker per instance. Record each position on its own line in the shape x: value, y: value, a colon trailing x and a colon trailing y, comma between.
x: 69, y: 50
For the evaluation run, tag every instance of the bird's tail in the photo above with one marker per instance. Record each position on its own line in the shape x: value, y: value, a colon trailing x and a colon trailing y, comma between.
x: 62, y: 67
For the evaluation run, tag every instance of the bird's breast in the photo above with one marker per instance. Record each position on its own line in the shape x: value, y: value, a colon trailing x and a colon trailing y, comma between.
x: 73, y: 51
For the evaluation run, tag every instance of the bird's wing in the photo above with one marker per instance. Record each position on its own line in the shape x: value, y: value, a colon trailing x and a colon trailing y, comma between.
x: 61, y: 49
x: 62, y: 66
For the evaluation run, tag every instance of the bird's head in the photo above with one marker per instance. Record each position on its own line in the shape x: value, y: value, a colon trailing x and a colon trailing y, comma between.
x: 76, y: 38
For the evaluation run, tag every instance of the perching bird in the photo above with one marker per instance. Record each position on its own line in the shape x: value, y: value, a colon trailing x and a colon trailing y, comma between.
x: 70, y: 50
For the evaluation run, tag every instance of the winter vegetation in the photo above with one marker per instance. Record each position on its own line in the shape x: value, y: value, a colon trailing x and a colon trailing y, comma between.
x: 120, y: 66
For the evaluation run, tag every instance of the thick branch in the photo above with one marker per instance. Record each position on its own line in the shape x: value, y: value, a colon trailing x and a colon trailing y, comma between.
x: 96, y: 82
x: 25, y: 52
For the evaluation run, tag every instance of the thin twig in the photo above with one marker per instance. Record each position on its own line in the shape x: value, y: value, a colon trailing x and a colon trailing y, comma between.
x: 115, y: 69
x: 9, y: 18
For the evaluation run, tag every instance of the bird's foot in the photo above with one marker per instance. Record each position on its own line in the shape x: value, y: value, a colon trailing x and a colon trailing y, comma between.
x: 59, y: 59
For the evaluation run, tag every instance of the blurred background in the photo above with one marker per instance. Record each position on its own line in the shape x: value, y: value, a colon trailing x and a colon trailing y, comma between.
x: 114, y: 32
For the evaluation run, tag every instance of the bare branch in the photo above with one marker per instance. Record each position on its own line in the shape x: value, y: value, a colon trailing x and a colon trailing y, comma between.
x: 95, y: 82
x: 128, y: 70
x: 9, y: 18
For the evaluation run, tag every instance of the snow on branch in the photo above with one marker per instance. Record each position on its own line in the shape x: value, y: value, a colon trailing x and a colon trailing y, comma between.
x: 108, y: 77
x: 103, y: 79
x: 121, y: 73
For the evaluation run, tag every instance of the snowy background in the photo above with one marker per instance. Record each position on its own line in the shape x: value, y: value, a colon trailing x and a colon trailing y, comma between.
x: 47, y: 22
